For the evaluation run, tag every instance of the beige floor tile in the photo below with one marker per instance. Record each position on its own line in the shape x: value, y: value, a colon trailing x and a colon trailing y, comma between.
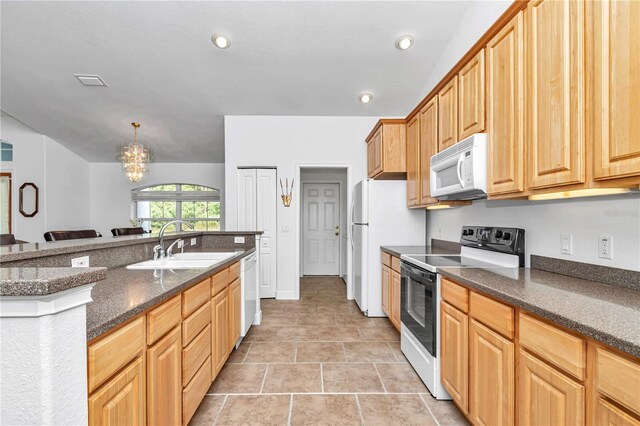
x: 207, y: 411
x: 255, y: 410
x: 237, y: 356
x: 239, y: 378
x: 262, y: 333
x: 379, y: 334
x: 329, y: 410
x: 272, y: 309
x: 297, y: 334
x: 288, y: 378
x: 353, y: 319
x: 445, y: 412
x: 400, y: 378
x: 280, y: 320
x: 315, y: 319
x: 320, y: 352
x: 339, y: 334
x: 267, y: 352
x: 368, y: 352
x: 387, y: 410
x: 351, y: 377
x: 333, y: 309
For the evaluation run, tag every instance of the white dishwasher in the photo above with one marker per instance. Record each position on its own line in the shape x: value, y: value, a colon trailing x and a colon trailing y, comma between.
x: 249, y: 291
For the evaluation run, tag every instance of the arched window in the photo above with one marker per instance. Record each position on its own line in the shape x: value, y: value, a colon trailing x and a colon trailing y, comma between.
x: 157, y: 204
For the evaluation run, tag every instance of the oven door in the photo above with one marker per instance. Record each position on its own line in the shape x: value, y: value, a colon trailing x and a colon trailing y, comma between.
x: 419, y: 305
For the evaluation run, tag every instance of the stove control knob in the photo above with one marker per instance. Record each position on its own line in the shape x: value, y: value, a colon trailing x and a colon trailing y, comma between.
x: 470, y: 231
x: 465, y: 232
x: 498, y: 234
x: 507, y: 235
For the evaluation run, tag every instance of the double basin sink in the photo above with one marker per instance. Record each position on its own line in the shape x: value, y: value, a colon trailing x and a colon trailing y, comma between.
x: 185, y: 261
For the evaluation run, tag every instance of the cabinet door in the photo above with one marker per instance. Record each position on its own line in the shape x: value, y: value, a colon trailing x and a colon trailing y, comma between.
x: 555, y: 93
x: 413, y: 158
x: 491, y: 377
x: 428, y: 148
x: 220, y: 341
x: 235, y: 313
x: 471, y: 106
x: 546, y: 396
x: 371, y: 159
x: 448, y: 114
x: 505, y: 111
x: 386, y: 284
x: 121, y: 400
x: 395, y: 298
x: 164, y: 380
x: 616, y: 92
x: 376, y: 142
x: 609, y: 414
x: 454, y: 337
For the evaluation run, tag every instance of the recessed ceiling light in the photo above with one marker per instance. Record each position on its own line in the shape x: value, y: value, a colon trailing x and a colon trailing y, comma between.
x: 90, y: 80
x: 220, y: 41
x: 365, y: 98
x: 404, y: 42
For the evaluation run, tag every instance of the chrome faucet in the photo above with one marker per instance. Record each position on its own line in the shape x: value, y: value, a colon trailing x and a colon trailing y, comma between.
x: 158, y: 250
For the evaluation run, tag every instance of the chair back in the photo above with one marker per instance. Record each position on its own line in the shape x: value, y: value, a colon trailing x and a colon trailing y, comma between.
x: 127, y: 231
x: 71, y: 235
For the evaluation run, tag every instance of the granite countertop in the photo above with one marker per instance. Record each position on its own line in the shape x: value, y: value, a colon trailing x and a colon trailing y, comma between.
x: 126, y: 293
x: 15, y: 252
x: 45, y: 281
x: 400, y: 250
x: 607, y: 313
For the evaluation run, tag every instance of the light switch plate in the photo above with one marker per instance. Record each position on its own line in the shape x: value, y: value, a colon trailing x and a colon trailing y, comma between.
x: 238, y: 240
x: 566, y: 244
x: 80, y: 262
x: 605, y: 247
x: 193, y: 241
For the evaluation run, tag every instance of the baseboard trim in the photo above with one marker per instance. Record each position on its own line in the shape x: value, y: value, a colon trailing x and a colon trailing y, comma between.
x: 286, y: 295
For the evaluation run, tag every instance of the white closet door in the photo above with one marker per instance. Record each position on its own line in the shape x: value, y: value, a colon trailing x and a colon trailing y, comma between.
x: 266, y: 205
x: 247, y: 199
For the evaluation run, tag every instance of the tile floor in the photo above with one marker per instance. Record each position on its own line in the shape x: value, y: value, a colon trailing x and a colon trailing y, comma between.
x: 319, y: 361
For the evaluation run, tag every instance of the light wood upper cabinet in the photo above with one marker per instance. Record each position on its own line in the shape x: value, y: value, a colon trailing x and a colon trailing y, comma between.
x: 555, y: 133
x: 454, y: 326
x: 491, y: 377
x: 121, y: 401
x: 164, y: 380
x: 387, y: 150
x: 547, y: 397
x: 505, y: 109
x: 448, y: 114
x: 413, y: 160
x: 235, y: 313
x: 386, y: 289
x: 428, y: 148
x: 220, y: 331
x: 616, y: 91
x: 471, y: 106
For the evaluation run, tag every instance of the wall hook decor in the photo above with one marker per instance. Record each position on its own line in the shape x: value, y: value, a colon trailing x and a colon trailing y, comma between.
x: 286, y: 192
x: 29, y: 196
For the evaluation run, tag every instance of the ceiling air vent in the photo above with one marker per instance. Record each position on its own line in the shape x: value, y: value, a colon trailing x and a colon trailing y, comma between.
x: 90, y: 80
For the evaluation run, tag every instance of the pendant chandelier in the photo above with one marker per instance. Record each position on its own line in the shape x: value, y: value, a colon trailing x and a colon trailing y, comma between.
x: 135, y: 158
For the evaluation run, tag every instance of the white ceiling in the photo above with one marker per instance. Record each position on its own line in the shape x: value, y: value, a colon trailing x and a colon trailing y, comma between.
x: 286, y: 58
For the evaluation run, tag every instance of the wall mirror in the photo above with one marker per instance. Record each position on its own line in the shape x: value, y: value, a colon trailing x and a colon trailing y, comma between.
x: 28, y: 199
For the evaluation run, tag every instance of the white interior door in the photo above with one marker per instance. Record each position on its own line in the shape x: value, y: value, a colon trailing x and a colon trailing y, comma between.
x: 266, y: 207
x: 247, y: 199
x: 321, y: 229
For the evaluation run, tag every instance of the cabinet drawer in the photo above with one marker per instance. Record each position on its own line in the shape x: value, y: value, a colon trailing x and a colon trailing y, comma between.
x: 234, y: 272
x: 219, y: 281
x: 162, y: 319
x: 195, y: 297
x: 195, y: 354
x: 455, y: 295
x: 395, y: 263
x: 194, y: 392
x: 386, y: 259
x: 493, y: 314
x: 609, y: 414
x: 196, y: 323
x: 562, y: 349
x: 618, y: 378
x: 110, y: 354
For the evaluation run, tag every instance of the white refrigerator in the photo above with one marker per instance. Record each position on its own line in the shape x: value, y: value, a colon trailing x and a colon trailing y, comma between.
x: 379, y: 217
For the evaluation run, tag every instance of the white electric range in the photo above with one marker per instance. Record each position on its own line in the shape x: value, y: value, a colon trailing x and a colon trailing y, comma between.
x: 498, y: 249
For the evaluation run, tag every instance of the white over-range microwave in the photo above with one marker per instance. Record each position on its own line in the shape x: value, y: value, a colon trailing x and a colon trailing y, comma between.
x: 460, y: 171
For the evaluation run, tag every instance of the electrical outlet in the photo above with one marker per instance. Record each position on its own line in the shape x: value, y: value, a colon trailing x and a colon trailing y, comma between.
x: 193, y: 241
x: 80, y: 262
x: 180, y: 244
x: 566, y: 243
x: 605, y: 247
x: 284, y: 228
x: 238, y: 240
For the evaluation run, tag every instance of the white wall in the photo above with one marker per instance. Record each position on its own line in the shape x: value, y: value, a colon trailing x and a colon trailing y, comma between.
x: 61, y: 177
x: 331, y: 175
x: 544, y: 221
x: 288, y: 142
x: 111, y: 205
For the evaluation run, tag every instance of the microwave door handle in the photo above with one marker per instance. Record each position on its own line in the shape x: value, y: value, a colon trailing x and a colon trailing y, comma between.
x: 458, y: 171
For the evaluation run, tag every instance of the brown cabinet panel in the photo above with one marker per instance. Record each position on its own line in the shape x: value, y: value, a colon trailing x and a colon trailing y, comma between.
x: 471, y: 104
x: 505, y: 109
x: 448, y: 114
x: 219, y: 281
x: 454, y: 333
x: 428, y: 148
x: 196, y: 322
x: 609, y: 414
x: 195, y: 297
x: 162, y: 319
x: 395, y: 299
x: 618, y: 378
x: 195, y: 354
x: 164, y: 380
x: 220, y: 333
x: 386, y: 290
x: 235, y: 313
x: 455, y: 295
x: 495, y: 315
x: 196, y: 390
x: 413, y: 160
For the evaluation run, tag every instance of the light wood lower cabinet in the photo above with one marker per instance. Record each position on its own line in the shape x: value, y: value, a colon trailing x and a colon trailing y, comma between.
x: 220, y: 336
x: 121, y: 401
x: 235, y: 319
x: 164, y: 380
x: 390, y: 288
x: 454, y: 354
x: 386, y: 289
x: 609, y: 414
x: 546, y: 396
x: 395, y: 298
x: 491, y: 377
